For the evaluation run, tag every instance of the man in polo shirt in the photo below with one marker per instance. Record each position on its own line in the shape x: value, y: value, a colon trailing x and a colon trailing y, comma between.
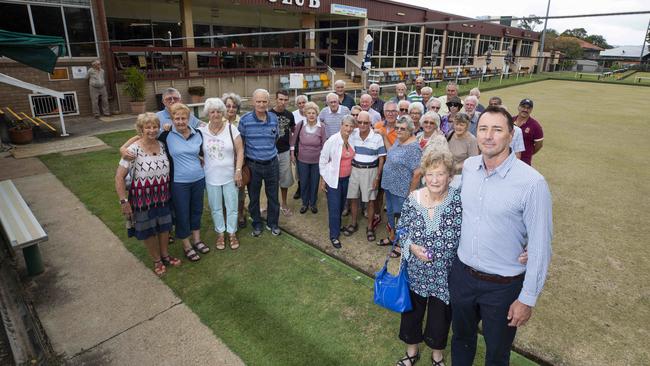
x: 531, y: 129
x: 286, y: 127
x: 344, y: 98
x: 506, y: 209
x: 170, y: 97
x: 377, y: 103
x: 332, y: 115
x: 451, y: 91
x: 365, y: 102
x: 416, y: 95
x: 367, y: 166
x: 387, y: 128
x: 260, y: 130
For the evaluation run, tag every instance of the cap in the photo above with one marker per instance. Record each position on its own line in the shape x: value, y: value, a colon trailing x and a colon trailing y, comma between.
x: 526, y: 101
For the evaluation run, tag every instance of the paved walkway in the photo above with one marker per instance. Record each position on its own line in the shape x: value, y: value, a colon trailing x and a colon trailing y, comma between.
x: 97, y: 302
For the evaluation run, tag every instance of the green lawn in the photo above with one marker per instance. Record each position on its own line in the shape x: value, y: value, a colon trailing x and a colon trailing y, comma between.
x: 275, y: 301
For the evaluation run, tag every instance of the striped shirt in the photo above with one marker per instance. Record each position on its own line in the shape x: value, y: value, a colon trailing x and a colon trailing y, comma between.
x: 414, y: 97
x: 504, y: 212
x: 259, y: 137
x: 332, y: 120
x: 368, y: 151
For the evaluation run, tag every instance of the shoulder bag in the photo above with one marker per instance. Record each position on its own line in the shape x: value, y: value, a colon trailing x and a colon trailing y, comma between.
x: 392, y: 291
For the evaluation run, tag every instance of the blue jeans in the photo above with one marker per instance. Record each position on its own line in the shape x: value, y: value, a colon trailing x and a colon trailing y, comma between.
x: 187, y: 199
x: 393, y: 207
x: 270, y: 175
x: 473, y: 300
x: 309, y: 176
x: 335, y: 200
x: 218, y: 196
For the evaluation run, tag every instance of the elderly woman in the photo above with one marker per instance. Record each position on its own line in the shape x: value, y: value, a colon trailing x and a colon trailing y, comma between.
x: 401, y: 174
x: 183, y: 146
x: 433, y: 105
x: 400, y: 93
x: 416, y: 110
x: 145, y: 202
x: 462, y: 144
x: 232, y: 102
x: 308, y: 142
x: 447, y: 122
x: 431, y: 221
x: 335, y: 166
x: 430, y: 122
x: 223, y: 155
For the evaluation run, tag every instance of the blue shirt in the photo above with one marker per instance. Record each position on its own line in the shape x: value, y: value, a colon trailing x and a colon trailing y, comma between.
x: 185, y: 156
x: 166, y: 119
x: 332, y: 120
x: 259, y: 137
x: 503, y: 212
x: 401, y: 162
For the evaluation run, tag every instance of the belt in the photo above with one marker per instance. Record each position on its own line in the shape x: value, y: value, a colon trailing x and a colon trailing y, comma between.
x: 492, y: 277
x: 261, y: 162
x: 365, y: 166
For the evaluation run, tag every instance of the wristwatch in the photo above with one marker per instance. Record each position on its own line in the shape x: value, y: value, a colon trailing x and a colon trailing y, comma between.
x: 124, y: 200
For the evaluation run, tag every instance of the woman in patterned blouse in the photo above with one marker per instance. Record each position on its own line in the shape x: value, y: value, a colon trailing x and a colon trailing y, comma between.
x: 145, y: 202
x: 430, y: 220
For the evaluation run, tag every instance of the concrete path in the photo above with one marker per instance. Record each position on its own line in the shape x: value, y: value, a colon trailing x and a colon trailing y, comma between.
x: 97, y: 302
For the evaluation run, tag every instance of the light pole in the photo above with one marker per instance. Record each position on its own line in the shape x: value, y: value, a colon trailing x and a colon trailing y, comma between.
x: 540, y: 57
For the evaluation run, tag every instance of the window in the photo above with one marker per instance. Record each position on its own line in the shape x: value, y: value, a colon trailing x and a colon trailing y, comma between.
x: 201, y: 30
x: 526, y: 48
x: 460, y: 48
x: 485, y: 42
x: 395, y: 46
x: 430, y: 36
x: 72, y: 23
x: 507, y: 42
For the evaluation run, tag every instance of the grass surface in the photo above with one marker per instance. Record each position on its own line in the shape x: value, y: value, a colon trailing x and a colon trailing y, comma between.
x: 274, y: 301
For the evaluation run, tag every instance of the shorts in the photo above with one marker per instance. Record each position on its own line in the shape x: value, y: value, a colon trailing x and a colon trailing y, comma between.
x: 361, y: 180
x: 286, y: 173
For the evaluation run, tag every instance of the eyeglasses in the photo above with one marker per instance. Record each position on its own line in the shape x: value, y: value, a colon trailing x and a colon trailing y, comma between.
x: 391, y: 111
x: 363, y: 122
x: 403, y: 109
x: 171, y: 99
x: 401, y: 129
x: 231, y: 106
x: 428, y: 123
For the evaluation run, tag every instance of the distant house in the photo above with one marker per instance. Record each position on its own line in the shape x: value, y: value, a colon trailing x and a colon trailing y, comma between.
x: 585, y: 66
x: 589, y: 51
x: 625, y: 55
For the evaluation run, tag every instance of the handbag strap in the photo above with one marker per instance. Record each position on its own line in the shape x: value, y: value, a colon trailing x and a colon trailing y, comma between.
x: 399, y: 232
x: 234, y: 162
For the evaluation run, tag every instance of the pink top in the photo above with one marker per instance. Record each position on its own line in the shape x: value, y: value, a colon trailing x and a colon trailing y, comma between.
x: 346, y: 161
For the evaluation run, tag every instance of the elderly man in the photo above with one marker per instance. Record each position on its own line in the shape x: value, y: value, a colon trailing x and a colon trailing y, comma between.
x: 260, y: 130
x: 170, y: 97
x: 506, y: 208
x: 426, y: 96
x: 416, y: 95
x: 365, y: 102
x: 97, y: 89
x: 332, y: 115
x: 477, y: 93
x: 377, y: 103
x: 387, y: 128
x: 400, y: 93
x: 403, y: 107
x: 496, y: 101
x: 470, y: 104
x: 286, y: 127
x: 451, y: 91
x: 367, y: 165
x: 344, y: 98
x: 532, y: 131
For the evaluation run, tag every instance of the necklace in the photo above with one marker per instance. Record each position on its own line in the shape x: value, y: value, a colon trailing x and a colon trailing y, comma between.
x: 215, y: 132
x: 435, y: 203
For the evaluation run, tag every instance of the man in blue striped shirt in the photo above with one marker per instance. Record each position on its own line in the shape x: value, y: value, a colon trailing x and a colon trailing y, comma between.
x: 259, y: 129
x: 506, y: 210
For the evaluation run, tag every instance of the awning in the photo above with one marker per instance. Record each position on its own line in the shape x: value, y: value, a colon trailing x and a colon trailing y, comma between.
x: 36, y: 51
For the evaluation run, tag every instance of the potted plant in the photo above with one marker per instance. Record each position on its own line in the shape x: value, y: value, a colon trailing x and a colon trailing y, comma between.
x: 134, y: 88
x: 20, y: 132
x: 197, y: 93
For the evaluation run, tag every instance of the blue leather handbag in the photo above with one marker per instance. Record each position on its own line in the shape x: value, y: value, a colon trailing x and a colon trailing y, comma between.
x: 392, y: 291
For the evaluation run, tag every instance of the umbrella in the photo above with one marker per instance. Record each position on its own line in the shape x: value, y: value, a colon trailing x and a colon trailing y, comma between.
x: 37, y: 51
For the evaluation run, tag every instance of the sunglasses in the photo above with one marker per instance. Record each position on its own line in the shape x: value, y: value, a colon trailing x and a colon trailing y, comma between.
x: 457, y: 105
x: 403, y: 110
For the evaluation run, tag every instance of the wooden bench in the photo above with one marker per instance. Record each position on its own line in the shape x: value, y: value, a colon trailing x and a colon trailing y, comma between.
x: 464, y: 79
x: 434, y: 81
x: 20, y: 227
x: 639, y: 78
x: 606, y: 74
x: 579, y: 75
x: 486, y: 77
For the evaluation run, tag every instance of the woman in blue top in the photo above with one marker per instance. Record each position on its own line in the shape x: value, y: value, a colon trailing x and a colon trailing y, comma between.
x: 401, y: 173
x: 431, y: 219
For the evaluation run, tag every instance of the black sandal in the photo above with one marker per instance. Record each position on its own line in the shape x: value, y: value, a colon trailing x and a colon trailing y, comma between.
x: 191, y: 255
x: 201, y: 247
x: 370, y: 235
x: 385, y: 242
x: 336, y: 243
x: 395, y: 254
x: 412, y: 359
x: 438, y: 363
x: 350, y: 229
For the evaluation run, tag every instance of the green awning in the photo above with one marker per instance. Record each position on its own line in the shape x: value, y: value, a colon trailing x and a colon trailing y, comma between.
x: 36, y: 51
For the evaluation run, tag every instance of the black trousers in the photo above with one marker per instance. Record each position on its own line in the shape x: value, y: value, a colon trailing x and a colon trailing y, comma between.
x: 436, y: 327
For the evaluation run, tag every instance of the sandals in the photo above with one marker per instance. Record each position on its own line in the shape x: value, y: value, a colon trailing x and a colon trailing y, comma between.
x: 350, y: 229
x: 201, y: 247
x: 438, y: 363
x: 191, y: 255
x: 234, y: 242
x: 411, y: 359
x: 220, y: 244
x: 336, y: 243
x: 370, y: 235
x: 168, y: 260
x: 286, y: 211
x: 395, y: 254
x: 159, y: 268
x: 385, y: 242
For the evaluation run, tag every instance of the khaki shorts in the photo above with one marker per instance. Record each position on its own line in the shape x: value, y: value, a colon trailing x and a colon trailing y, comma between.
x: 286, y: 173
x: 361, y: 180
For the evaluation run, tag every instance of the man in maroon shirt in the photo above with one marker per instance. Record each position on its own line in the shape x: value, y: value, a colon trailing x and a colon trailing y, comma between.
x: 531, y: 129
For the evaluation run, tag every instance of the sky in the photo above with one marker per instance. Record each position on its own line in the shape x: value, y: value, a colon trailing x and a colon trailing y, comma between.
x: 617, y: 30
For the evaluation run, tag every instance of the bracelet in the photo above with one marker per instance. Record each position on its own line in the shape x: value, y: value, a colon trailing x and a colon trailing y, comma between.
x: 123, y: 201
x: 238, y: 170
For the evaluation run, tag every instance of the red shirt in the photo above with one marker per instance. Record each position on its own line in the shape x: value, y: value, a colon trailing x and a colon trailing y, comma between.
x: 346, y: 161
x: 532, y: 131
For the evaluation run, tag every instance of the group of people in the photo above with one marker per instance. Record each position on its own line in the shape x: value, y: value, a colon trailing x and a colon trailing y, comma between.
x: 454, y: 175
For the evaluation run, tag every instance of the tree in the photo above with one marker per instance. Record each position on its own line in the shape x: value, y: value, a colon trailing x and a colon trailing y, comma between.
x: 570, y: 47
x: 598, y: 40
x: 551, y: 35
x: 575, y: 32
x: 530, y: 22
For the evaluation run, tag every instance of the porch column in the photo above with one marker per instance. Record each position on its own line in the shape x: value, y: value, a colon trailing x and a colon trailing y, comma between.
x: 421, y: 47
x: 308, y: 21
x: 187, y: 29
x: 443, y: 51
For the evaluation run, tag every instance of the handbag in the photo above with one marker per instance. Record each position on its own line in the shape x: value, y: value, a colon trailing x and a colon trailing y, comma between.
x: 245, y: 170
x: 392, y: 291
